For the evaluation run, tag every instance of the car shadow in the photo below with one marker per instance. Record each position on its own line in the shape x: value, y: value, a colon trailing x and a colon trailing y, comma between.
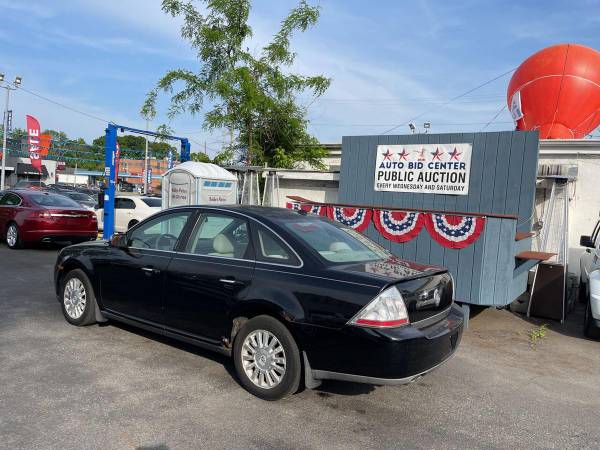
x: 328, y: 388
x: 331, y: 387
x: 190, y: 348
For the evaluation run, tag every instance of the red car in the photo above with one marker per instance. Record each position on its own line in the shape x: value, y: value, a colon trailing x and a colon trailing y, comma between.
x: 38, y: 216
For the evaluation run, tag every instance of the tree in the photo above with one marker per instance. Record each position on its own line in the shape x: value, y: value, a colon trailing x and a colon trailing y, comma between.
x: 253, y: 96
x: 200, y: 157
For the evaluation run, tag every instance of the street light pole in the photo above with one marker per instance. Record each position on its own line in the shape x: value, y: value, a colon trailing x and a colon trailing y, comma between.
x: 16, y: 82
x: 4, y: 133
x: 146, y: 164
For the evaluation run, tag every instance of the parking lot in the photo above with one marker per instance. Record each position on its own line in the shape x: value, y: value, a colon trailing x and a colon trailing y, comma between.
x: 112, y: 386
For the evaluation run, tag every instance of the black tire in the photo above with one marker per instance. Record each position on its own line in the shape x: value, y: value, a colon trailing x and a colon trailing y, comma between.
x: 582, y: 294
x: 132, y: 223
x: 290, y: 379
x: 88, y: 315
x: 18, y: 243
x: 590, y: 329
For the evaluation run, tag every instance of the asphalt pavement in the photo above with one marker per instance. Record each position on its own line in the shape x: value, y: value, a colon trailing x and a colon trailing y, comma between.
x: 112, y: 386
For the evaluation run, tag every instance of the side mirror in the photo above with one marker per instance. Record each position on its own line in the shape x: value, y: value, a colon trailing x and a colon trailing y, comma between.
x: 586, y: 241
x: 118, y: 240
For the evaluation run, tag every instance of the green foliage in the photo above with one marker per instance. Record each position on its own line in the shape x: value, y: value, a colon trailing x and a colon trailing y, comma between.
x: 133, y: 146
x: 255, y: 96
x: 200, y: 157
x: 537, y: 334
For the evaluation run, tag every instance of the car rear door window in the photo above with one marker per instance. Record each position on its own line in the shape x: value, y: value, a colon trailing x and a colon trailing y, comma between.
x: 270, y: 248
x: 124, y: 203
x: 160, y: 233
x: 220, y: 235
x: 10, y: 199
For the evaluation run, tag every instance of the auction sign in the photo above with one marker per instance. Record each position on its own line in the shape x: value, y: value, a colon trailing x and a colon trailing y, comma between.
x: 429, y: 169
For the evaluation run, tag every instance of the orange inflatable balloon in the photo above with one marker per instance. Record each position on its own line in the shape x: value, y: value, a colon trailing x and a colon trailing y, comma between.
x: 557, y: 91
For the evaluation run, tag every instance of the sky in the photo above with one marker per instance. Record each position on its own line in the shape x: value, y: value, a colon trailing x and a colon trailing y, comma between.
x: 389, y: 61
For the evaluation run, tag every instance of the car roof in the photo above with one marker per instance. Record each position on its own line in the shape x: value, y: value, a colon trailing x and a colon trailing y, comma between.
x: 262, y: 213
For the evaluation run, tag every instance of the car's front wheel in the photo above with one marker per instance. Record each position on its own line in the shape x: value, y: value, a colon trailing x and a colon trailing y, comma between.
x: 13, y: 238
x: 77, y: 298
x: 267, y: 359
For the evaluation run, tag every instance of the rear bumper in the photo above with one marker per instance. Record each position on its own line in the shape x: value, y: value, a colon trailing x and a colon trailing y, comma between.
x: 58, y: 235
x: 383, y: 356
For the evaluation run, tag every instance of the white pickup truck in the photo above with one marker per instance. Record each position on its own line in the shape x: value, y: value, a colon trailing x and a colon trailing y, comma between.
x: 589, y: 284
x: 129, y: 210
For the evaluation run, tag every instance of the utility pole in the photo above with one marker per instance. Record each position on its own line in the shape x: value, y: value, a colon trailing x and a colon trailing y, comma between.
x: 146, y: 164
x: 75, y: 175
x: 8, y: 88
x: 205, y: 148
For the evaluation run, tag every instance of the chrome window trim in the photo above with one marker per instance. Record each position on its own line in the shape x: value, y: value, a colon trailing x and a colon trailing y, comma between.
x: 212, y: 208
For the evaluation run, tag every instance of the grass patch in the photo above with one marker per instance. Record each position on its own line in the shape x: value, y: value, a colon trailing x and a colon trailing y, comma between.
x: 537, y: 334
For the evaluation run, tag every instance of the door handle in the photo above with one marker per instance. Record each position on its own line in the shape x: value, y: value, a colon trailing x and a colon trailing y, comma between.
x: 231, y: 282
x: 150, y: 270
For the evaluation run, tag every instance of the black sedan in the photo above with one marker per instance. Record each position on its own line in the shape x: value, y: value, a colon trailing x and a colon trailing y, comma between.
x: 289, y: 296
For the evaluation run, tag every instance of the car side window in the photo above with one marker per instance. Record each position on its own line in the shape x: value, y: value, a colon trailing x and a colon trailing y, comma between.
x: 220, y: 235
x: 10, y: 199
x: 270, y: 248
x: 124, y: 203
x: 160, y: 233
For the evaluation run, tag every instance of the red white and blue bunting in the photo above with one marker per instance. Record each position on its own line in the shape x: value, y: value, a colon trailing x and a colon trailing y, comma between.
x: 398, y: 226
x: 453, y: 231
x: 319, y: 210
x: 357, y: 218
x: 449, y: 230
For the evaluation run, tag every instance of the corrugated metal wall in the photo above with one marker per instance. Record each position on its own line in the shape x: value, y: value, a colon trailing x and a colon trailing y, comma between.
x: 502, y: 181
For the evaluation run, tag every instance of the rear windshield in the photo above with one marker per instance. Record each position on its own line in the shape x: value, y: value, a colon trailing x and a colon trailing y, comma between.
x: 53, y: 200
x: 337, y: 243
x: 79, y: 196
x: 153, y: 202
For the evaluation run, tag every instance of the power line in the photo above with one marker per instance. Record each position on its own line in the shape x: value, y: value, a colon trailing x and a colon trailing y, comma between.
x: 91, y: 116
x: 388, y: 124
x: 451, y: 100
x: 494, y: 118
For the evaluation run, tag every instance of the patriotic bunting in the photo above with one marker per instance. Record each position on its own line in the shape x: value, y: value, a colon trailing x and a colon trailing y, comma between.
x: 454, y: 231
x: 319, y: 210
x: 398, y: 226
x: 449, y: 230
x: 357, y: 218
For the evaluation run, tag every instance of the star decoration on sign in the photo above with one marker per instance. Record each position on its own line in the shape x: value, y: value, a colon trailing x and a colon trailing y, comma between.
x: 387, y: 155
x: 455, y: 154
x: 437, y: 154
x: 403, y: 155
x: 421, y: 154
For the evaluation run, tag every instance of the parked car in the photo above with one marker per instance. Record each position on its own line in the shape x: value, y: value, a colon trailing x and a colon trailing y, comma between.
x: 34, y: 216
x: 286, y: 294
x: 84, y: 200
x: 28, y: 184
x: 589, y: 283
x: 130, y: 210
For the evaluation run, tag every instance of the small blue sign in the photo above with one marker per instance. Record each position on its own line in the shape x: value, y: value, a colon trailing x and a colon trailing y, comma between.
x: 170, y: 159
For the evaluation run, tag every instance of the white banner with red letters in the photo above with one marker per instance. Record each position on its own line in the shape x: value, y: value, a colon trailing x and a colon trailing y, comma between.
x: 423, y: 168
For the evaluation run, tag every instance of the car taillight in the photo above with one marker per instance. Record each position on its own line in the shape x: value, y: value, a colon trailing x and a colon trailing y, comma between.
x: 387, y: 310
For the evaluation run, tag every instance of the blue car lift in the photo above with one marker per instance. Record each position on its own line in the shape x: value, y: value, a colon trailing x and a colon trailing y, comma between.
x: 110, y: 168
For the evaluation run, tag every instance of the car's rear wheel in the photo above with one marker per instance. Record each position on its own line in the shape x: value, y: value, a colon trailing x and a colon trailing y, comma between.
x: 589, y: 325
x: 267, y: 359
x: 77, y: 298
x: 13, y: 238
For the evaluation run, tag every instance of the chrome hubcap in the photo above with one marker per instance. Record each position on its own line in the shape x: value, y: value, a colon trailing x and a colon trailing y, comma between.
x: 74, y: 298
x: 263, y: 359
x: 11, y: 236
